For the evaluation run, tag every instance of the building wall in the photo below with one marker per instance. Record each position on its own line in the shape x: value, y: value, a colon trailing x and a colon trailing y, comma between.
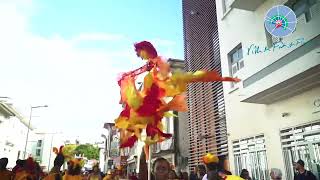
x: 49, y: 141
x: 300, y: 109
x: 246, y: 27
x: 206, y: 119
x: 176, y: 149
x: 268, y: 120
x: 102, y: 152
x: 248, y: 119
x: 12, y: 141
x: 37, y: 146
x: 183, y: 134
x: 183, y: 141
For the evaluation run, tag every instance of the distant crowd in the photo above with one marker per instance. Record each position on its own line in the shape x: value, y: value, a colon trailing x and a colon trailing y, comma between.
x: 161, y: 170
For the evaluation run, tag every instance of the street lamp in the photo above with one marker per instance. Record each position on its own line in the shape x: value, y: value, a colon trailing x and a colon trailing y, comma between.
x: 51, y: 148
x: 105, y: 153
x: 32, y: 107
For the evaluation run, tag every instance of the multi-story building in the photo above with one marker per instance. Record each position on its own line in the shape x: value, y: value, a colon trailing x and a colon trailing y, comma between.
x: 166, y: 149
x: 102, y: 154
x: 174, y: 149
x: 132, y: 159
x: 112, y: 150
x: 180, y: 128
x: 13, y: 131
x: 206, y: 115
x: 42, y: 144
x: 37, y: 147
x: 273, y: 114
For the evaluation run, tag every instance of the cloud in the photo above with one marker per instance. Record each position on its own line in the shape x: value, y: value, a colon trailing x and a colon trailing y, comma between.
x: 163, y: 42
x: 98, y: 37
x: 79, y: 85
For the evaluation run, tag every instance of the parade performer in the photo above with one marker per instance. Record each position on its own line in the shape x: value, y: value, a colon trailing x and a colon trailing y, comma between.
x: 162, y: 93
x: 74, y: 169
x: 55, y: 173
x: 215, y: 171
x: 29, y: 171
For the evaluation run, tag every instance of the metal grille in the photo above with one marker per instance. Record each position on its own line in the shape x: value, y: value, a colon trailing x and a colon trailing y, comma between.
x: 250, y: 154
x: 301, y: 142
x: 206, y: 116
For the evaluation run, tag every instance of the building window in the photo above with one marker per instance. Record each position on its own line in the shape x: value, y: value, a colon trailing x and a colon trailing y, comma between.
x: 236, y: 61
x: 225, y: 5
x: 250, y: 154
x: 39, y: 143
x: 38, y: 151
x: 301, y: 142
x: 302, y: 7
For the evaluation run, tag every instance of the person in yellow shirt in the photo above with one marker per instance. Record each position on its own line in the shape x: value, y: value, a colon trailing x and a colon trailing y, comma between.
x: 226, y: 175
x: 215, y: 171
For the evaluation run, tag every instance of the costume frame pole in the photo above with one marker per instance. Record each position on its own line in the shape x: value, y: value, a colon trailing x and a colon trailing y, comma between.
x: 27, y: 137
x: 149, y: 162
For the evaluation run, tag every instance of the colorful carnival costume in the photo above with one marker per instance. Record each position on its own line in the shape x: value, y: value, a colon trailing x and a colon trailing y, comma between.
x: 162, y: 92
x: 30, y: 171
x: 74, y: 170
x: 55, y: 173
x: 233, y: 177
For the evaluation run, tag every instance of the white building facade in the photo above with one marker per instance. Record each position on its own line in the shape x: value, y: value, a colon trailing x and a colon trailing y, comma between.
x: 273, y: 114
x: 42, y: 144
x: 13, y: 132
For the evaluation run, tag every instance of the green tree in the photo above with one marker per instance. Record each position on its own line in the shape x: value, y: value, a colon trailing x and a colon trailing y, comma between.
x: 69, y: 149
x: 88, y: 150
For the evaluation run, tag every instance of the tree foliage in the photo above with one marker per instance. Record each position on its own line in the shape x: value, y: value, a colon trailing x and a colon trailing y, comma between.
x: 88, y: 150
x: 69, y: 149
